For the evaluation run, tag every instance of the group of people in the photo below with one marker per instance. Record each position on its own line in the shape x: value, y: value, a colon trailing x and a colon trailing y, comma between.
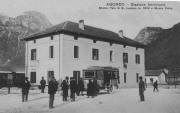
x: 92, y: 88
x: 77, y: 87
x: 73, y: 86
x: 52, y: 89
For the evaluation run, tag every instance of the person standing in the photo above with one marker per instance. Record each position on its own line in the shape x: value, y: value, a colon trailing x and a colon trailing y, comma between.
x: 43, y: 85
x: 73, y: 87
x: 155, y: 86
x: 95, y: 87
x: 90, y: 88
x: 64, y: 87
x: 25, y: 90
x: 81, y: 86
x: 52, y: 88
x: 145, y: 83
x: 77, y: 88
x: 67, y: 81
x: 141, y: 89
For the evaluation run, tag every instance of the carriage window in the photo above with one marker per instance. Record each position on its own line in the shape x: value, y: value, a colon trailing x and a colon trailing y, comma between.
x: 89, y: 74
x: 114, y: 74
x: 99, y: 75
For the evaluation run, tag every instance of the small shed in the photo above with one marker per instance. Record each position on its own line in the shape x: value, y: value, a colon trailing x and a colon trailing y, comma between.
x: 153, y: 75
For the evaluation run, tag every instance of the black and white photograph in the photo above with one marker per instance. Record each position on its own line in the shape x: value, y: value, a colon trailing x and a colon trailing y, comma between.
x: 89, y: 56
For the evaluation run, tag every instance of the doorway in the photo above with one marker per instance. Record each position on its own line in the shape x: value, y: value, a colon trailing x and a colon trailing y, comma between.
x: 107, y: 77
x: 76, y: 75
x: 50, y: 74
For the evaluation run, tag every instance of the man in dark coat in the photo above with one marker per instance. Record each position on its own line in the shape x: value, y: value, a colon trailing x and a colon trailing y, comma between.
x: 73, y: 89
x: 77, y: 88
x: 67, y: 81
x: 43, y: 85
x: 81, y: 86
x: 141, y: 89
x: 64, y: 87
x: 155, y: 86
x: 52, y: 88
x: 25, y: 90
x: 90, y: 89
x: 95, y: 87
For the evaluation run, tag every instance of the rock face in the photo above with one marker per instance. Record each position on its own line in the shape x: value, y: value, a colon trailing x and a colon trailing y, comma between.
x: 148, y: 34
x: 12, y: 50
x: 163, y: 47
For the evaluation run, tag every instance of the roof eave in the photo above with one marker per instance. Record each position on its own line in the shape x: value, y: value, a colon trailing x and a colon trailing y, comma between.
x: 79, y: 34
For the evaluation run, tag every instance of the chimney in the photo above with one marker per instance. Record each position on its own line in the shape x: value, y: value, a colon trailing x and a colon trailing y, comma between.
x: 120, y: 33
x: 81, y: 24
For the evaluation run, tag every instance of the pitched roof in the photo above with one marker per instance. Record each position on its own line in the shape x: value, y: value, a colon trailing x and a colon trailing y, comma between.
x: 153, y: 72
x: 17, y: 69
x: 101, y: 68
x: 72, y: 28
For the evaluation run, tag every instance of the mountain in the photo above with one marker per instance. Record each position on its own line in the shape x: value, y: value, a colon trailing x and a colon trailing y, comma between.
x: 148, y: 34
x: 162, y: 47
x: 12, y: 50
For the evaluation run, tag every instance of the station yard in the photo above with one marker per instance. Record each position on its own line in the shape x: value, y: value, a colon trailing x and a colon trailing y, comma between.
x: 124, y: 100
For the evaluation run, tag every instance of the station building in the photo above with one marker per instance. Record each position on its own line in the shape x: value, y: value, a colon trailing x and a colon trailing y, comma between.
x: 68, y: 48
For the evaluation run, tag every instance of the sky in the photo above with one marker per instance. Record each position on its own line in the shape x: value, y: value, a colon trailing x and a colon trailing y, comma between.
x: 130, y: 21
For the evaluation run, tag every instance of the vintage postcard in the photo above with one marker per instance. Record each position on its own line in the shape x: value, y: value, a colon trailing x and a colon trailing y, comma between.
x: 89, y: 56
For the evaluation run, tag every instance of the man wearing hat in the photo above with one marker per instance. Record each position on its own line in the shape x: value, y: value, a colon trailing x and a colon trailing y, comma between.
x: 52, y: 88
x: 25, y: 90
x: 141, y: 88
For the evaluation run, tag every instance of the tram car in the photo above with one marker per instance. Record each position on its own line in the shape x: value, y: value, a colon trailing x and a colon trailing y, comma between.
x: 12, y: 79
x: 106, y: 77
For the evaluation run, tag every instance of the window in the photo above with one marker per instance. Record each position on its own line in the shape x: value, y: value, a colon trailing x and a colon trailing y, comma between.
x: 52, y: 37
x: 111, y: 43
x: 111, y: 52
x: 137, y: 77
x: 33, y: 54
x: 51, y: 51
x: 95, y: 54
x: 125, y: 57
x: 89, y: 74
x: 50, y: 75
x: 124, y: 77
x: 34, y: 41
x: 33, y: 77
x: 124, y: 46
x: 94, y: 41
x: 137, y: 59
x: 76, y: 52
x: 75, y: 37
